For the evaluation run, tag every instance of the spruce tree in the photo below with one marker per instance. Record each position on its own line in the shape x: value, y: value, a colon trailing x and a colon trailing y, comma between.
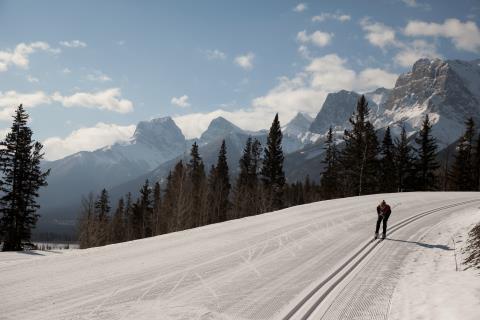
x: 87, y: 223
x: 426, y: 163
x: 129, y: 217
x: 197, y: 184
x: 273, y: 176
x: 219, y: 188
x: 146, y: 217
x: 387, y: 164
x: 329, y: 181
x: 403, y: 158
x: 118, y: 228
x: 159, y: 220
x: 476, y: 162
x: 246, y: 191
x: 22, y: 177
x: 102, y: 208
x: 358, y: 159
x: 463, y: 169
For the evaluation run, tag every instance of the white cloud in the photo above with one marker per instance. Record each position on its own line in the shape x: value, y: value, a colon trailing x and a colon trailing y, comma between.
x: 181, y: 102
x: 10, y: 100
x: 245, y: 61
x: 304, y: 52
x: 378, y: 34
x: 415, y: 50
x: 110, y: 99
x: 66, y: 70
x: 318, y: 38
x: 464, y: 35
x: 415, y: 4
x: 331, y: 16
x: 215, y: 55
x: 86, y: 139
x: 19, y: 57
x: 304, y: 92
x: 32, y: 79
x: 98, y: 76
x: 73, y: 44
x: 300, y: 7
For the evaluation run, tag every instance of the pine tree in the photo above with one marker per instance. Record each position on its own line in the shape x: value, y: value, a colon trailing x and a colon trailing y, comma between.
x: 219, y: 188
x: 387, y: 164
x: 329, y: 181
x: 403, y: 158
x: 463, y: 169
x: 426, y: 163
x: 477, y: 164
x: 273, y: 176
x: 197, y: 184
x: 159, y: 219
x: 118, y: 228
x: 246, y: 185
x: 130, y: 233
x: 358, y: 159
x: 102, y: 208
x: 146, y: 208
x: 22, y: 176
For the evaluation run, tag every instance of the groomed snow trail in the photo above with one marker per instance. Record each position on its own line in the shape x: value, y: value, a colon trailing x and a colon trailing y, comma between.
x: 252, y: 268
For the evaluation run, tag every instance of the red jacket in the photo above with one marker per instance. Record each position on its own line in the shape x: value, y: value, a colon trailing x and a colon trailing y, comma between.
x: 385, y: 211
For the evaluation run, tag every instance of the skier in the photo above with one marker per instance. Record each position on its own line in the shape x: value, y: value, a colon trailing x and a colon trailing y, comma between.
x: 383, y: 211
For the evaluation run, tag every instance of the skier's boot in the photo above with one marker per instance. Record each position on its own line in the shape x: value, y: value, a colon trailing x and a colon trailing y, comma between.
x: 376, y: 236
x: 384, y: 236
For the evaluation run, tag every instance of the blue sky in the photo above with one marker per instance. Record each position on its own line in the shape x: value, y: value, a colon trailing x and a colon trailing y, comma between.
x: 88, y: 71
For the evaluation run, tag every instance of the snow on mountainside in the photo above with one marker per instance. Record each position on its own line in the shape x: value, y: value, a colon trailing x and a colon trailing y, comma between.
x: 153, y: 143
x: 448, y: 91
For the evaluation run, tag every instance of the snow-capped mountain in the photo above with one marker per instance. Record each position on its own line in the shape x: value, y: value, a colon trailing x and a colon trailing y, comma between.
x: 153, y: 143
x: 296, y: 134
x: 218, y: 129
x: 448, y: 91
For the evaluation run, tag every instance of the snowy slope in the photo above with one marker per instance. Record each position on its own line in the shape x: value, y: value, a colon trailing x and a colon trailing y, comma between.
x: 252, y: 268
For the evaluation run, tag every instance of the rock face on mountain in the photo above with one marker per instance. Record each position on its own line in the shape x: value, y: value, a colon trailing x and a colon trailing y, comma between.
x: 448, y: 91
x: 335, y: 111
x: 217, y: 129
x: 296, y: 133
x: 153, y: 143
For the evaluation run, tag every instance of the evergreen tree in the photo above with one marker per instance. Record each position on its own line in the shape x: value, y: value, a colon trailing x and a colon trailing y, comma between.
x: 197, y: 188
x: 358, y: 159
x: 102, y: 208
x: 403, y: 158
x: 129, y: 219
x: 426, y: 163
x: 146, y: 208
x: 387, y: 164
x: 329, y: 181
x: 273, y: 176
x: 219, y: 188
x: 463, y: 169
x: 477, y: 164
x: 118, y: 230
x: 22, y: 176
x: 159, y: 219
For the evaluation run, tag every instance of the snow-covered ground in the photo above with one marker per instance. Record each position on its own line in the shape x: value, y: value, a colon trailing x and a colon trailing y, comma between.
x: 434, y: 283
x: 252, y: 268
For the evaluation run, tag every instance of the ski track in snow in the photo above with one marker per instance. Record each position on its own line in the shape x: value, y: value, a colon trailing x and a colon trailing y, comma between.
x: 252, y: 268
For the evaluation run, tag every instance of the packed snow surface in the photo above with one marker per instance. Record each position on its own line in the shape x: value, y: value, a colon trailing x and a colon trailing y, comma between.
x: 252, y: 268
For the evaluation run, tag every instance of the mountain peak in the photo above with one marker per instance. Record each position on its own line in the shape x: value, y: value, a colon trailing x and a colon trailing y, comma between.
x: 218, y: 129
x: 157, y: 131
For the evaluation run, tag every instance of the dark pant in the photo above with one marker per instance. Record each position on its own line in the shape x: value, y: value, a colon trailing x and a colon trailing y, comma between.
x: 383, y: 218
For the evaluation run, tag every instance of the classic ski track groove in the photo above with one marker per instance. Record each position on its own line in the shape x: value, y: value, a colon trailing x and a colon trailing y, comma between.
x: 293, y: 312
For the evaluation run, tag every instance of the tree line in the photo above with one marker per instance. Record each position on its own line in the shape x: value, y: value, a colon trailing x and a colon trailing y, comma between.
x: 358, y: 164
x: 364, y: 165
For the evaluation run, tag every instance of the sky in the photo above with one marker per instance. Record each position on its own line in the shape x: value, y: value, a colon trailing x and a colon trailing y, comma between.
x: 88, y: 71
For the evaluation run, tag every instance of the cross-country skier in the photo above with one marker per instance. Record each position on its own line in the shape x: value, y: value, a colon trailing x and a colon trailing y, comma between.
x: 383, y: 211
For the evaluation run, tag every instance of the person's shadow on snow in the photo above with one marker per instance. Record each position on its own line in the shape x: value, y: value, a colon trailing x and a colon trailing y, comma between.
x: 422, y: 244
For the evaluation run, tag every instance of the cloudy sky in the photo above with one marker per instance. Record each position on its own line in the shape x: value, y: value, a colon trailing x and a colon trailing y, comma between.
x: 88, y: 71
